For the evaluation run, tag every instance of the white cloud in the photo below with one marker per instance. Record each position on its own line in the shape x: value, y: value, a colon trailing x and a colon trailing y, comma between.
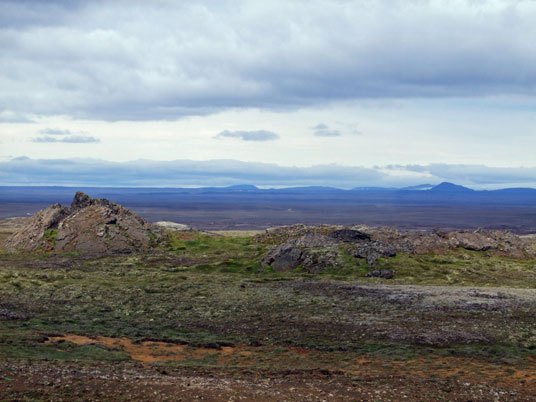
x: 69, y: 139
x: 259, y: 135
x: 322, y: 130
x: 54, y: 131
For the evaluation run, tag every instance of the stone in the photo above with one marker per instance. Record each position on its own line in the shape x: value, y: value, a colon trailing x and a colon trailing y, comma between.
x: 381, y: 273
x: 283, y: 257
x: 80, y: 200
x: 374, y: 250
x: 310, y: 250
x: 349, y: 235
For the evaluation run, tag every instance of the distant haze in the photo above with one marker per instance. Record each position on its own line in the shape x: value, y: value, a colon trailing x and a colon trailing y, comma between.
x: 188, y: 173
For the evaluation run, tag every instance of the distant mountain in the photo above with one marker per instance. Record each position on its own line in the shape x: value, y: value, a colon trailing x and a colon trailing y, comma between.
x: 450, y: 188
x: 242, y: 187
x: 516, y: 191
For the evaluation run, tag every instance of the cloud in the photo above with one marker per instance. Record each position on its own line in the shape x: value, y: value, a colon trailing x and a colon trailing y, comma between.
x: 71, y: 139
x: 478, y: 174
x: 54, y: 131
x: 166, y: 60
x: 65, y: 136
x: 95, y: 172
x: 260, y: 135
x: 322, y: 130
x: 10, y: 116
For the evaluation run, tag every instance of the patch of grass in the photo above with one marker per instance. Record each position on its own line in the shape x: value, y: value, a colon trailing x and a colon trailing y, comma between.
x: 464, y: 268
x: 50, y: 235
x: 62, y: 351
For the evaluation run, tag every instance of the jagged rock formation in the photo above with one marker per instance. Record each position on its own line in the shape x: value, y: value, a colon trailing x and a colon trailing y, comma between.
x: 316, y: 248
x: 91, y: 226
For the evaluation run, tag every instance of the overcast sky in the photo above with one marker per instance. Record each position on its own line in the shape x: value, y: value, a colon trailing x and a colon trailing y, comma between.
x: 345, y: 93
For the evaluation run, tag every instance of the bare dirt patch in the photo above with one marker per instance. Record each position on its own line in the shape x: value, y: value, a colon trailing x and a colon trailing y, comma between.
x: 521, y: 377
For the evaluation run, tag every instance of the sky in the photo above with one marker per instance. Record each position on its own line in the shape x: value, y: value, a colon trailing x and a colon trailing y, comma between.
x: 271, y: 93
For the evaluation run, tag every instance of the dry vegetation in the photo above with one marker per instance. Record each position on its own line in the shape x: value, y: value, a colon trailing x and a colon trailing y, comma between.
x: 199, y: 318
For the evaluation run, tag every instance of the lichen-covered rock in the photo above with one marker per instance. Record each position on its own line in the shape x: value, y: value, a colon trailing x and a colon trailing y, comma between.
x: 374, y: 250
x: 92, y: 226
x: 283, y: 257
x: 313, y: 251
x: 316, y: 248
x: 381, y: 273
x: 349, y: 235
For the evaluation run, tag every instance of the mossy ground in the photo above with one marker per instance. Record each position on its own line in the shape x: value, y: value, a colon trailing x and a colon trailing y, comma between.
x: 210, y: 291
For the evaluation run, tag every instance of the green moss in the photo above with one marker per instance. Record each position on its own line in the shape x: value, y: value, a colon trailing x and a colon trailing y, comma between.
x: 50, y: 235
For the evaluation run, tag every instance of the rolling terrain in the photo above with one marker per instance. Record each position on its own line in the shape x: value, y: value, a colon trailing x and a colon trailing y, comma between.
x: 202, y: 316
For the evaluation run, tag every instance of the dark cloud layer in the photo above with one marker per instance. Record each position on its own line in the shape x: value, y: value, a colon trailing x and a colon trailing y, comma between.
x: 139, y: 60
x: 23, y: 170
x: 260, y: 135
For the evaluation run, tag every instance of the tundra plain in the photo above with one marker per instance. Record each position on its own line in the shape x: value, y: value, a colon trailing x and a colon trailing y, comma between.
x: 199, y: 317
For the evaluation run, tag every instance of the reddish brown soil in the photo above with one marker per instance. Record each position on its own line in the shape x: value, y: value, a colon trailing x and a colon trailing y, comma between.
x: 262, y: 374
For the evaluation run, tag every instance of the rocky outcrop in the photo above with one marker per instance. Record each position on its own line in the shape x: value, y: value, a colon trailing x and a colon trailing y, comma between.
x: 349, y: 235
x: 313, y: 251
x: 373, y: 250
x: 91, y: 226
x: 317, y: 248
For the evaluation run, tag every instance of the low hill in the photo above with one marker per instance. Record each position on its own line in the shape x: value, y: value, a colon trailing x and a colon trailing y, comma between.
x: 89, y: 225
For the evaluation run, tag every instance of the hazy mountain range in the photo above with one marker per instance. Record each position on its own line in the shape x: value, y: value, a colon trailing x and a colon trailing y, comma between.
x: 444, y: 193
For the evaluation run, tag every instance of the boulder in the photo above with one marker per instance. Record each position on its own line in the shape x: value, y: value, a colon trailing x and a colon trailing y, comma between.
x: 91, y: 226
x: 312, y: 250
x: 283, y: 257
x: 381, y: 273
x: 479, y: 241
x: 349, y: 235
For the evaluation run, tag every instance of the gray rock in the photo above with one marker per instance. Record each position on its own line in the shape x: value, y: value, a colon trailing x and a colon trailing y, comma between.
x: 381, y: 273
x: 374, y: 250
x: 93, y: 226
x: 315, y: 240
x: 312, y: 250
x: 349, y: 235
x: 283, y: 257
x: 316, y: 247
